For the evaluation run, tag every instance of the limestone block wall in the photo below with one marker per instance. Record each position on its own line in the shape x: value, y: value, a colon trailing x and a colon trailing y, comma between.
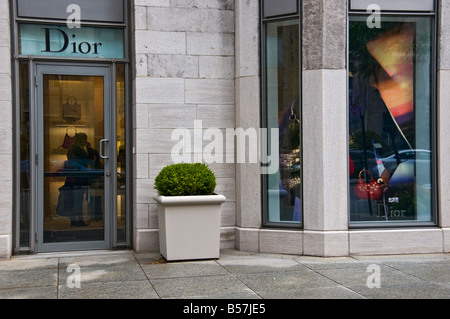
x: 248, y: 115
x: 184, y: 71
x: 443, y: 114
x: 6, y: 133
x: 325, y: 127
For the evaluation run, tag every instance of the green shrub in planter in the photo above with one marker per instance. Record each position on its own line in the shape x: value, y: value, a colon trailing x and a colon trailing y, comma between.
x: 185, y: 179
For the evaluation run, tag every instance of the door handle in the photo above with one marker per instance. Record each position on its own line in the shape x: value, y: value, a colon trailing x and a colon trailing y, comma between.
x: 100, y: 148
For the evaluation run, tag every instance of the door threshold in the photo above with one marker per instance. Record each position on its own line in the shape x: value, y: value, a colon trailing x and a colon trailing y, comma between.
x: 80, y: 253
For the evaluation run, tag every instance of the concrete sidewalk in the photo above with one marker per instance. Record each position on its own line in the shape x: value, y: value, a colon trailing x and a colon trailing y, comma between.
x: 236, y: 275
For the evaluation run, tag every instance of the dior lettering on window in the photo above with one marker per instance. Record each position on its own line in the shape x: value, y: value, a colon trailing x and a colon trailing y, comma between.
x: 398, y: 213
x: 75, y: 47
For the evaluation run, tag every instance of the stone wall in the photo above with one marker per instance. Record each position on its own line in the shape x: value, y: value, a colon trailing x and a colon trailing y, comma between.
x: 6, y: 133
x: 248, y: 111
x: 443, y: 115
x: 185, y: 70
x: 325, y: 142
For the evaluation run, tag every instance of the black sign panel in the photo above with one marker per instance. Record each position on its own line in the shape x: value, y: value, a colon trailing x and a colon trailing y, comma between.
x: 274, y: 8
x: 111, y: 11
x: 398, y: 5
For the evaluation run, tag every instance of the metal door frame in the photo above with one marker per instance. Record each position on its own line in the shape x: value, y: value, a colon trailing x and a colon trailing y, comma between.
x: 37, y: 148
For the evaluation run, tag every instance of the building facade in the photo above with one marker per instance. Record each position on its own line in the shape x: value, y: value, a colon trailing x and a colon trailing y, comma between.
x: 297, y: 107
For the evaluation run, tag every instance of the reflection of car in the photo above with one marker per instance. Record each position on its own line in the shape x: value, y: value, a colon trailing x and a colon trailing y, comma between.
x: 412, y: 163
x: 420, y: 156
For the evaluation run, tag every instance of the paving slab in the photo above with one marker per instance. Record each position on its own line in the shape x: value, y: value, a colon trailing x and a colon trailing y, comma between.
x: 422, y: 290
x: 338, y: 292
x: 40, y: 292
x: 358, y: 276
x: 35, y: 277
x: 98, y: 260
x: 404, y: 258
x: 149, y: 258
x: 215, y: 287
x: 276, y: 282
x: 20, y: 263
x: 104, y: 268
x: 437, y: 272
x: 183, y: 269
x: 109, y: 290
x: 311, y: 260
x: 259, y: 264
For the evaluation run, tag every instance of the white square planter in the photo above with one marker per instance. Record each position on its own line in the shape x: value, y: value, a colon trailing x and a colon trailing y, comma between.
x: 189, y: 226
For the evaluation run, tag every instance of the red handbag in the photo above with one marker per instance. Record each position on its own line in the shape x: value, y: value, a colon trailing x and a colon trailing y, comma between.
x: 371, y: 190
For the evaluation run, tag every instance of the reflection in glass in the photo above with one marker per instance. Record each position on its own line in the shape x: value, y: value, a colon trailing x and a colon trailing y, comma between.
x: 390, y: 119
x: 73, y: 169
x: 282, y: 111
x: 24, y: 156
x: 121, y: 155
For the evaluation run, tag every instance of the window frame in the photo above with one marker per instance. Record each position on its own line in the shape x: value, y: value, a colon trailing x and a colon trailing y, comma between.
x: 263, y: 124
x: 433, y: 111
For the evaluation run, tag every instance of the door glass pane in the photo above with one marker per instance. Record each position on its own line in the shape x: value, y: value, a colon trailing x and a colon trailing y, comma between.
x: 73, y: 171
x: 390, y: 116
x: 283, y: 113
x: 24, y: 156
x: 121, y: 158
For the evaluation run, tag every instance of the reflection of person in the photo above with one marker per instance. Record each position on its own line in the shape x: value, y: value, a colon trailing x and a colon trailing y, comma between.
x: 289, y: 142
x: 81, y: 157
x: 389, y: 130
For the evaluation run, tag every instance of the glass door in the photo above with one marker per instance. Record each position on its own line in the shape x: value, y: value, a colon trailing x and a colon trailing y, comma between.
x: 73, y: 121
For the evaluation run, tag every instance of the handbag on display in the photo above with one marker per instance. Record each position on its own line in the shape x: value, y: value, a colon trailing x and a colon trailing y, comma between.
x: 290, y: 151
x: 371, y: 190
x: 68, y: 140
x: 71, y: 110
x: 292, y: 140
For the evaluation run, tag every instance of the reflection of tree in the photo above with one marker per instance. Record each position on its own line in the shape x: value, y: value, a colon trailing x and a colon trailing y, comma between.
x: 356, y: 140
x: 362, y: 62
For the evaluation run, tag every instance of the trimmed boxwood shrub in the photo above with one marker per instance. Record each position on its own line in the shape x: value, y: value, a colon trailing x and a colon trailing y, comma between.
x: 185, y: 179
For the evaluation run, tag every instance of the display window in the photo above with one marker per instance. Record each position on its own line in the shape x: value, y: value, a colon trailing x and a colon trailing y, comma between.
x: 281, y: 112
x: 391, y: 105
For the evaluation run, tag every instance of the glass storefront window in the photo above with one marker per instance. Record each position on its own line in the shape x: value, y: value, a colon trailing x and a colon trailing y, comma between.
x: 25, y: 178
x: 282, y: 112
x: 390, y: 120
x: 74, y: 185
x: 121, y: 155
